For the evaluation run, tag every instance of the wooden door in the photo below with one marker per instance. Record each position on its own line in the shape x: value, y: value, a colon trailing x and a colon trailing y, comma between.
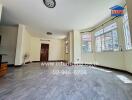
x: 44, y: 55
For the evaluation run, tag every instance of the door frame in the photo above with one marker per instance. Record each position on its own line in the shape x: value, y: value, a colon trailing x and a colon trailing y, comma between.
x: 48, y: 50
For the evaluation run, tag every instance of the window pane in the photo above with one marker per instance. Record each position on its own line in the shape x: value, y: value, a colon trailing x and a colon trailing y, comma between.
x: 108, y: 41
x: 85, y: 46
x: 103, y: 42
x: 86, y: 43
x: 110, y: 27
x: 115, y: 40
x: 98, y: 44
x: 127, y: 35
x: 99, y: 32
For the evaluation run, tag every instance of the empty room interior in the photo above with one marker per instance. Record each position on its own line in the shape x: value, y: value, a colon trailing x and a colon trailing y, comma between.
x: 65, y: 50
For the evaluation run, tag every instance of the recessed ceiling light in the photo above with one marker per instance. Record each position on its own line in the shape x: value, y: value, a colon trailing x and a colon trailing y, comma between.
x: 50, y: 3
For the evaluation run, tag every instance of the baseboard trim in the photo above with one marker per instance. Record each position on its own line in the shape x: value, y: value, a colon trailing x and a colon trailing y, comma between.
x: 57, y: 61
x: 114, y: 69
x: 51, y: 61
x: 28, y: 62
x: 35, y: 61
x: 100, y: 66
x: 4, y: 62
x: 70, y: 64
x: 81, y: 64
x: 18, y: 66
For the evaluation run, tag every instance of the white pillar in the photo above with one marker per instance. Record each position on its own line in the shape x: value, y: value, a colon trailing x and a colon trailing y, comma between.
x: 19, y: 49
x: 1, y: 10
x: 71, y: 47
x: 77, y: 46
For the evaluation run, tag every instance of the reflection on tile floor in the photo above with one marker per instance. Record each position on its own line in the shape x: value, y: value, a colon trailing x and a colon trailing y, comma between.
x: 35, y: 82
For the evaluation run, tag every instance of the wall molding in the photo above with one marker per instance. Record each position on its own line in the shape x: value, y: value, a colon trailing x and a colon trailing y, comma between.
x: 71, y: 64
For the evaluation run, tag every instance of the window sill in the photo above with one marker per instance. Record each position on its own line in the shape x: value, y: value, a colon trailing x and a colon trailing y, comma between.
x: 108, y: 51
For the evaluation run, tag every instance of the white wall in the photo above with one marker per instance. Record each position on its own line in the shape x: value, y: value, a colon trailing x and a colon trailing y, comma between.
x: 8, y: 43
x: 88, y: 58
x: 128, y: 60
x: 35, y: 49
x: 56, y: 48
x: 109, y: 59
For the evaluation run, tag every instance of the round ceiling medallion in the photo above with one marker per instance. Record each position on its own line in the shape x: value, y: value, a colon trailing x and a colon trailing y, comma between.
x: 50, y: 3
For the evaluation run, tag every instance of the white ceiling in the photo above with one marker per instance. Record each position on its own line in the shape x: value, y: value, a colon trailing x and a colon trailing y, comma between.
x: 66, y: 16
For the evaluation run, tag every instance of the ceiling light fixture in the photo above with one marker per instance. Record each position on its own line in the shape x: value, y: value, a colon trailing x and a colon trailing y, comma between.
x: 50, y: 3
x: 49, y: 33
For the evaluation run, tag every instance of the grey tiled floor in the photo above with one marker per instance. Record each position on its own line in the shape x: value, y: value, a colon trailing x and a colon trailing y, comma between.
x: 35, y: 82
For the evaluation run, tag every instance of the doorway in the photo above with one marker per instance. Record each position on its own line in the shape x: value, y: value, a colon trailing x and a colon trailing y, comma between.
x: 44, y: 54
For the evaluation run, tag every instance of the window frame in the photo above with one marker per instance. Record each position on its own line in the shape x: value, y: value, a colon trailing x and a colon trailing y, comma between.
x: 87, y: 43
x: 104, y: 34
x: 126, y: 21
